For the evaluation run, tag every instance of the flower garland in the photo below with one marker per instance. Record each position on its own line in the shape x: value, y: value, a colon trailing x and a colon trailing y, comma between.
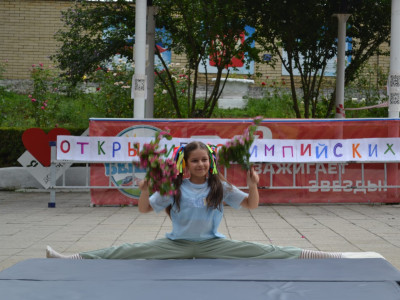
x: 160, y: 173
x: 238, y: 149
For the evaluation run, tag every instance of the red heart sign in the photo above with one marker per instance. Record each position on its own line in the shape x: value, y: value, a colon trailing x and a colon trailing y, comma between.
x: 36, y: 141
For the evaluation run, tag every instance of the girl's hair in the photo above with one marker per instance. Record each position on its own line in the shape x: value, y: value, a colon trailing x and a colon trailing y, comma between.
x: 215, y: 195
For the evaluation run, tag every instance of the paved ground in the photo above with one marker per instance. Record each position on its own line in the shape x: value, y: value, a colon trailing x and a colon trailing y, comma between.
x: 27, y: 226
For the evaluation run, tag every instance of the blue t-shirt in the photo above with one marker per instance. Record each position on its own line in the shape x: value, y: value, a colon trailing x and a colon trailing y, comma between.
x: 195, y: 221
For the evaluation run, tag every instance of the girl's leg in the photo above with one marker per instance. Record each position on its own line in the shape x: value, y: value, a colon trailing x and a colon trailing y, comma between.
x: 158, y: 249
x: 225, y: 248
x: 311, y: 254
x: 51, y: 253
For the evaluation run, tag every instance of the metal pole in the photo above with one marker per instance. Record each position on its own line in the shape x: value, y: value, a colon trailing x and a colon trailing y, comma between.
x: 151, y: 29
x: 341, y: 64
x: 53, y: 157
x: 394, y: 73
x: 139, y: 78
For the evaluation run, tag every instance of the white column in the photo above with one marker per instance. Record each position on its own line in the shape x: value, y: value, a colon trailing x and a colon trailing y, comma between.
x: 394, y: 73
x: 151, y: 28
x: 341, y: 64
x: 139, y: 78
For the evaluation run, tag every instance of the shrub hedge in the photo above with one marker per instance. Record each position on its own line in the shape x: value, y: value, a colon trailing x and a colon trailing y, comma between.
x: 11, y: 146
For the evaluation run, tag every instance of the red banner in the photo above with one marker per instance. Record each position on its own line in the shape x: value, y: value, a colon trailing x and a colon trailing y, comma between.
x: 333, y: 183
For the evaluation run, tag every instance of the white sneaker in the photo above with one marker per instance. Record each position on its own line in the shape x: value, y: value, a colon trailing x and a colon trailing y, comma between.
x: 361, y: 255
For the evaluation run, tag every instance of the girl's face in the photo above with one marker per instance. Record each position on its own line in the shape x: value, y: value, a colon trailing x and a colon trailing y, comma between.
x: 198, y: 164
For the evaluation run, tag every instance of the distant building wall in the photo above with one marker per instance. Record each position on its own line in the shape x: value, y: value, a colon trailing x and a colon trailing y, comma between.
x: 27, y: 29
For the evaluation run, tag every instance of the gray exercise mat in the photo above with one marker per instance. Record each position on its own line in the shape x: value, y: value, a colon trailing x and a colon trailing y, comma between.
x: 328, y: 279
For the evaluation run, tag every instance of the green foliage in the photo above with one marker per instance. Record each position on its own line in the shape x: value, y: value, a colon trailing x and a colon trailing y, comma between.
x: 39, y: 101
x: 12, y: 108
x: 164, y: 105
x: 268, y: 107
x: 94, y: 32
x: 11, y: 146
x: 367, y: 84
x: 113, y: 94
x: 369, y: 27
x: 70, y: 111
x: 310, y: 39
x: 200, y: 30
x: 3, y: 102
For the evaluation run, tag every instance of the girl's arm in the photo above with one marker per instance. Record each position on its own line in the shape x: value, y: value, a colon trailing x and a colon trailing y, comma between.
x: 253, y: 199
x: 144, y: 202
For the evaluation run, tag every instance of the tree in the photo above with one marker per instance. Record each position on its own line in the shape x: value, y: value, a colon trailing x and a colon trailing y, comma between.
x: 369, y: 28
x: 199, y: 29
x: 307, y: 31
x: 203, y: 30
x: 93, y: 33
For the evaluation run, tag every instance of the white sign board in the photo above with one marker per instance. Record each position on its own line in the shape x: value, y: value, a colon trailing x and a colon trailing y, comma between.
x: 122, y: 149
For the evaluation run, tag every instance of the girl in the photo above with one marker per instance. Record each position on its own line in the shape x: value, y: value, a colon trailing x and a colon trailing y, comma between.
x: 196, y: 212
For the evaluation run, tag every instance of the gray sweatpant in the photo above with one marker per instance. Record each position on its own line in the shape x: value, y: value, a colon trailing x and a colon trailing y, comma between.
x: 181, y: 249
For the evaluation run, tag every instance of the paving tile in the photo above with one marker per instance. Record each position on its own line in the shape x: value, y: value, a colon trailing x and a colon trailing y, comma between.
x: 27, y: 225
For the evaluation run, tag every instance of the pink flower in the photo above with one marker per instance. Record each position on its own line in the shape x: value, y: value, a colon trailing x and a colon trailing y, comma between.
x: 33, y: 100
x: 29, y: 96
x: 33, y: 66
x: 42, y: 108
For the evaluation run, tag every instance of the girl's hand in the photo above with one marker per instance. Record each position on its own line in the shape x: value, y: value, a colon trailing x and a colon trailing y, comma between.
x: 144, y: 185
x: 253, y: 199
x: 252, y: 177
x: 144, y: 202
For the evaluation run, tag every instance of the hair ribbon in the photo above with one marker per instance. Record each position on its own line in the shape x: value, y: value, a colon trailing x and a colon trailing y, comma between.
x: 213, y: 159
x: 179, y: 158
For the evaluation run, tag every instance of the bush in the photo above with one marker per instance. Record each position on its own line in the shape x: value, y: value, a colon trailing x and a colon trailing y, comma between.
x: 113, y: 93
x: 163, y: 104
x: 269, y: 107
x: 11, y: 146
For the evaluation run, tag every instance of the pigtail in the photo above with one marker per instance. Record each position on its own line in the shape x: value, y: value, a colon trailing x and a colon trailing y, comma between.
x: 177, y: 196
x: 216, y: 194
x: 179, y: 158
